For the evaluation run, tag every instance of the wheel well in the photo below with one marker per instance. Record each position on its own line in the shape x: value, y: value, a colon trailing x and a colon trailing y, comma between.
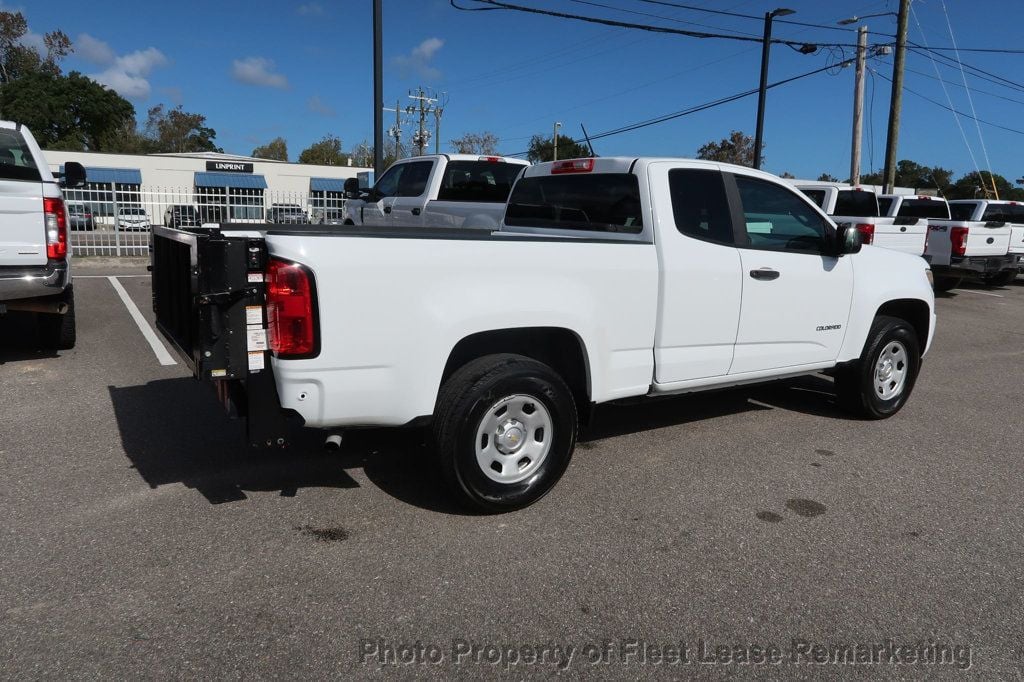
x: 560, y: 349
x: 912, y: 310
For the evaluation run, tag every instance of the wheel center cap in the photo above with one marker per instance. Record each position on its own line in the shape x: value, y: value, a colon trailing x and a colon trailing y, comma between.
x: 510, y: 436
x: 885, y: 371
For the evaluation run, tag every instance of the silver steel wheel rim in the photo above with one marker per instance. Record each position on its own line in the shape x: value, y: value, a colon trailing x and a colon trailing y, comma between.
x: 891, y: 370
x: 513, y: 439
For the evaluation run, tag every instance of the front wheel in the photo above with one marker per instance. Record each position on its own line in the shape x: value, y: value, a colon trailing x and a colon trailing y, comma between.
x: 505, y: 429
x: 877, y: 385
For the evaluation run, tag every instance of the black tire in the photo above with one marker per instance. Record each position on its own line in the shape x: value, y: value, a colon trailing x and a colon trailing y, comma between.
x: 856, y: 382
x: 58, y: 331
x: 944, y: 283
x: 462, y: 407
x: 1001, y: 278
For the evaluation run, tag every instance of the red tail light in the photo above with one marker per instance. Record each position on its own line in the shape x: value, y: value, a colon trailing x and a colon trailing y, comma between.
x: 291, y: 310
x: 958, y: 237
x: 56, y: 220
x: 867, y: 233
x: 572, y: 166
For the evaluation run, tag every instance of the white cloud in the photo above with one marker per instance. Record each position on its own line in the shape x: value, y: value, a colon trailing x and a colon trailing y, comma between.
x: 127, y: 74
x: 257, y: 71
x: 310, y: 9
x: 318, y: 106
x: 35, y: 40
x: 418, y: 61
x: 93, y: 50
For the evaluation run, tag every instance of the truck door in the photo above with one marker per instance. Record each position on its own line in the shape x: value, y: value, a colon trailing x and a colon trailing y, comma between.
x: 384, y: 193
x: 701, y: 283
x: 22, y: 226
x: 796, y: 297
x: 407, y: 208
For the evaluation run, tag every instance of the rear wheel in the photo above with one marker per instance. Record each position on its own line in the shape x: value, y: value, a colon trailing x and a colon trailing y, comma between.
x: 58, y: 331
x: 945, y: 283
x: 878, y: 384
x: 1001, y: 278
x: 504, y: 429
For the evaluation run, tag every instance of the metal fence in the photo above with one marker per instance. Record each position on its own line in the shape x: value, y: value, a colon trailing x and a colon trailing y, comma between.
x: 117, y: 220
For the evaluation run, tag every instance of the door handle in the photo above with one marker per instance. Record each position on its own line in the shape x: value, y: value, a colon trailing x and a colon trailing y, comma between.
x: 764, y: 273
x: 387, y: 209
x: 415, y: 211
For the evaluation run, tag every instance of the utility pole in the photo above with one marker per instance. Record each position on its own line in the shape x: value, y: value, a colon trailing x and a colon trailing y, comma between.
x: 554, y: 141
x: 858, y: 104
x: 896, y: 101
x: 378, y: 89
x: 438, y: 112
x: 762, y: 93
x: 396, y: 130
x: 423, y: 107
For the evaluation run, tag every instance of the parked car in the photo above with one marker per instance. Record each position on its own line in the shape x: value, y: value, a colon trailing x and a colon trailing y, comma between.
x: 609, y: 279
x: 80, y: 217
x: 35, y: 255
x: 443, y: 190
x: 1010, y: 212
x: 287, y: 214
x: 181, y: 215
x: 859, y: 207
x: 132, y: 218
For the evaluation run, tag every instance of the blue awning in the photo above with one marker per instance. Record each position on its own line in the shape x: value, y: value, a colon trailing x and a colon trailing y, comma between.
x: 242, y: 180
x: 120, y: 176
x: 327, y: 184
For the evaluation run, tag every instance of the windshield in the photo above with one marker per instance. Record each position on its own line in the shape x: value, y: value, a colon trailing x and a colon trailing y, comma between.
x: 924, y: 208
x: 132, y: 211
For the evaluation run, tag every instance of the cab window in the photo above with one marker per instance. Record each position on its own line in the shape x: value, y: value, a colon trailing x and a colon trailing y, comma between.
x: 413, y: 181
x: 700, y: 206
x: 777, y: 219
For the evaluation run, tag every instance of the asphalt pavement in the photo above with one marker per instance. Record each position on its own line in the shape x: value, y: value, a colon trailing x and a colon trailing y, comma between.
x: 703, y: 535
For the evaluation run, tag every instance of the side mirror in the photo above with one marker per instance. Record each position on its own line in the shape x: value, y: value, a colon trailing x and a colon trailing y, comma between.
x: 352, y: 188
x: 849, y: 240
x: 74, y: 175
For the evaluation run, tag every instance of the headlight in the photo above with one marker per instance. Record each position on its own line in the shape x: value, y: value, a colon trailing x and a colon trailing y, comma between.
x: 930, y: 277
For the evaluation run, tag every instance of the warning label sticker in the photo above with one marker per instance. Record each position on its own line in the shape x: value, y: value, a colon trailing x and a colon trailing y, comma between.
x: 254, y: 314
x: 257, y: 339
x: 255, y: 360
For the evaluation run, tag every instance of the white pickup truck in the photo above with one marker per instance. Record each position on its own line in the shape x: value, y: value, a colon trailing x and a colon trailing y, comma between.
x: 859, y: 207
x: 955, y: 248
x: 35, y: 256
x: 610, y: 278
x: 988, y: 210
x: 443, y: 190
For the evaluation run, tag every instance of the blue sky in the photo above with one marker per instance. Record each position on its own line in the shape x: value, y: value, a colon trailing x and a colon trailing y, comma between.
x: 303, y: 69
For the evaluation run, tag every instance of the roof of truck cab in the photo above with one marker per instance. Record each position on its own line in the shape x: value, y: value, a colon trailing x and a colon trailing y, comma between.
x: 626, y: 164
x: 467, y: 157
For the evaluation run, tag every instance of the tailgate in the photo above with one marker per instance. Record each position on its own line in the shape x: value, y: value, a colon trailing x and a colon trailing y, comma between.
x: 22, y: 226
x: 210, y: 303
x: 988, y: 241
x: 901, y: 234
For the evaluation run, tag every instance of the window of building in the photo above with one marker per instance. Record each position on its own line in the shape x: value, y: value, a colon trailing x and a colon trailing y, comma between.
x: 700, y: 206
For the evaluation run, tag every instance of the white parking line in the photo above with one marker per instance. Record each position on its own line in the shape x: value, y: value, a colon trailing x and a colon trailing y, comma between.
x: 154, y: 342
x: 106, y: 276
x: 981, y: 293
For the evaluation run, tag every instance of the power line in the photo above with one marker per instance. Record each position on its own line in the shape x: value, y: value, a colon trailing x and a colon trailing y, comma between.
x: 659, y: 16
x: 976, y: 71
x: 754, y: 16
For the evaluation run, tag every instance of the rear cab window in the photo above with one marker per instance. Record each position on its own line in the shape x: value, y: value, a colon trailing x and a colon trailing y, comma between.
x: 856, y: 204
x: 481, y: 181
x: 815, y: 195
x: 884, y: 204
x: 593, y: 202
x: 963, y: 211
x: 924, y: 208
x: 16, y: 162
x: 1003, y: 213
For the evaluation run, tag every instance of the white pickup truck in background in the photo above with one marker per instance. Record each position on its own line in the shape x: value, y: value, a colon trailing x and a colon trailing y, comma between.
x: 956, y: 248
x: 610, y: 278
x: 859, y: 207
x: 35, y: 255
x: 988, y: 210
x: 443, y: 190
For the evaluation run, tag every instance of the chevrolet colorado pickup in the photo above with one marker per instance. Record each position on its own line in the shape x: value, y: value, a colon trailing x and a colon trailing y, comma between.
x: 955, y: 248
x: 35, y: 257
x: 609, y: 279
x: 859, y: 207
x: 1010, y: 212
x: 444, y: 190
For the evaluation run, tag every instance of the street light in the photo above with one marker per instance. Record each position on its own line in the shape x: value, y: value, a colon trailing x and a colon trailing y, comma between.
x: 763, y: 91
x: 854, y: 19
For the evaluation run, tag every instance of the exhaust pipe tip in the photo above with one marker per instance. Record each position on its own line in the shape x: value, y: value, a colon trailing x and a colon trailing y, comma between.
x: 333, y: 442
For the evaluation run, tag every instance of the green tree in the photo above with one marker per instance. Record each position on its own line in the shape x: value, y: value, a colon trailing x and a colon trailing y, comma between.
x: 826, y: 177
x: 326, y: 152
x: 175, y: 130
x: 973, y: 186
x: 541, y: 149
x: 276, y: 149
x: 738, y: 148
x: 912, y: 174
x: 69, y: 112
x: 476, y: 143
x: 18, y: 60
